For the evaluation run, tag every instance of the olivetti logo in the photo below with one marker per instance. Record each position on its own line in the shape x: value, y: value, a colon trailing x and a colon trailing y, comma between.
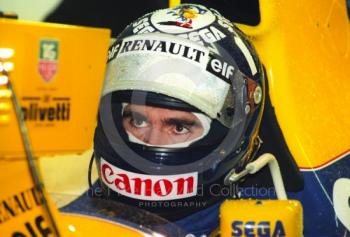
x: 36, y: 110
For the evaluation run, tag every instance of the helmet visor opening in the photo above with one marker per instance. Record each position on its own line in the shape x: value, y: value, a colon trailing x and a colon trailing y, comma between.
x: 161, y: 127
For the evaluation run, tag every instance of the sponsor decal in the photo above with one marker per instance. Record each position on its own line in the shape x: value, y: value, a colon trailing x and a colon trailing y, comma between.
x: 208, y: 35
x: 182, y: 19
x: 36, y: 228
x: 113, y: 51
x: 258, y: 229
x: 215, y: 64
x: 220, y: 68
x: 19, y: 204
x: 143, y: 26
x: 160, y: 46
x: 39, y: 112
x: 149, y: 187
x: 48, y: 59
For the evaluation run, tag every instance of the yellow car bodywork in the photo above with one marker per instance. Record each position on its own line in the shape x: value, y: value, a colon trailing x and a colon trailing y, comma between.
x: 304, y: 46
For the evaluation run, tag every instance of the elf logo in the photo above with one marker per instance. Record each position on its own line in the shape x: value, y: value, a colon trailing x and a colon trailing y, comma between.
x: 257, y: 229
x: 220, y: 68
x: 43, y: 112
x: 149, y: 187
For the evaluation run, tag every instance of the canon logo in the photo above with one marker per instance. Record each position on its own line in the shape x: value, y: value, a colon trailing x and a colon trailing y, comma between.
x: 149, y: 187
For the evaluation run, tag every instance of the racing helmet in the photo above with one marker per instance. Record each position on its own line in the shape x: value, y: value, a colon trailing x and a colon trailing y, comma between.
x: 180, y: 109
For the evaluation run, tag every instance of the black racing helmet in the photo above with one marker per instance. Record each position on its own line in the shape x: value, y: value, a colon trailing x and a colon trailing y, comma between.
x: 181, y: 107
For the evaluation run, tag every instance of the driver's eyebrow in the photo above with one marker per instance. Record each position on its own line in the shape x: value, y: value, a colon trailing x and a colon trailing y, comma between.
x: 132, y: 114
x: 181, y: 121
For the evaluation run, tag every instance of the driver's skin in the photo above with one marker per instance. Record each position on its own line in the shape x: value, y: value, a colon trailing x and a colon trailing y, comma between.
x: 159, y: 126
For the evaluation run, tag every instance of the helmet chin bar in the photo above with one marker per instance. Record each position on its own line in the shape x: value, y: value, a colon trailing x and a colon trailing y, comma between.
x: 255, y: 166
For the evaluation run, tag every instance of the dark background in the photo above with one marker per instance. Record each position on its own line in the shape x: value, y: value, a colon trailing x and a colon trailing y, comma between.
x: 116, y: 15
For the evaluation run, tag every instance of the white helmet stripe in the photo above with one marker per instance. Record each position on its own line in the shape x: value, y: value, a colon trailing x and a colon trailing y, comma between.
x: 246, y: 54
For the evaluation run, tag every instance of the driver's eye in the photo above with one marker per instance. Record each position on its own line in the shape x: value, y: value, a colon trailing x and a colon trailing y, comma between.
x: 181, y: 129
x: 138, y: 122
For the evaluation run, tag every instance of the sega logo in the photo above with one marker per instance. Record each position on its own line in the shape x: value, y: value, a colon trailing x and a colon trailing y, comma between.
x: 257, y: 229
